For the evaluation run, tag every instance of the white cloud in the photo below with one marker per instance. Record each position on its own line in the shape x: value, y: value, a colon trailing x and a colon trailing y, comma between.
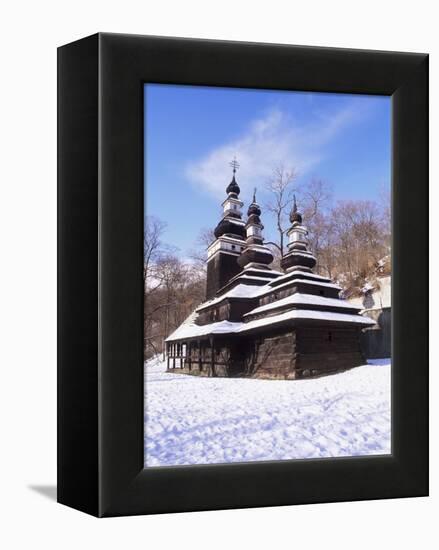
x: 272, y: 140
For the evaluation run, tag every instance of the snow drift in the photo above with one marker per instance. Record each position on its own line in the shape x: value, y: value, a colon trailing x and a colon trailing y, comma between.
x: 197, y: 420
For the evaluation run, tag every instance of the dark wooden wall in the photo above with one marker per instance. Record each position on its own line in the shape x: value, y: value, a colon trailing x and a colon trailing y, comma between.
x: 284, y: 354
x: 272, y: 356
x: 326, y: 350
x: 220, y: 269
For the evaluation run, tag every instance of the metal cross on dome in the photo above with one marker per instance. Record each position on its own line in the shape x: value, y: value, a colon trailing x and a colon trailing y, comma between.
x: 235, y: 165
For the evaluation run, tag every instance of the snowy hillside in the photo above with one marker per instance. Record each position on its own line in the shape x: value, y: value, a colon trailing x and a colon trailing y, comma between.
x: 194, y: 420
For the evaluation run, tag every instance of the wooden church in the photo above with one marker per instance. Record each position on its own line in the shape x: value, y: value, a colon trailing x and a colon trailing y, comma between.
x: 261, y: 323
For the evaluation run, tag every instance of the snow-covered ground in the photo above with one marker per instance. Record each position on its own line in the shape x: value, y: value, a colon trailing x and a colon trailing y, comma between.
x: 194, y: 420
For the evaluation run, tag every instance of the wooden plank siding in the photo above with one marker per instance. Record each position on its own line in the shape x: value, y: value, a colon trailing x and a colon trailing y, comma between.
x: 288, y: 353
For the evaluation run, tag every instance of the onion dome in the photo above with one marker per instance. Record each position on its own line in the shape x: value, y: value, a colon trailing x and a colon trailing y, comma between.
x: 233, y: 187
x: 254, y: 207
x: 295, y: 216
x: 254, y: 219
x: 253, y: 213
x: 255, y: 252
x: 256, y: 255
x: 298, y: 260
x: 231, y: 227
x: 231, y: 224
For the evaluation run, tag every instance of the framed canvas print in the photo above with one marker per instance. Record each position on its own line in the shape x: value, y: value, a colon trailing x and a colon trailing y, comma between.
x: 243, y: 303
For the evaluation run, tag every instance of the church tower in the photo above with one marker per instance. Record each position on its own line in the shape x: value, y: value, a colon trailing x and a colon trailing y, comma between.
x: 230, y: 234
x: 298, y: 255
x: 255, y: 254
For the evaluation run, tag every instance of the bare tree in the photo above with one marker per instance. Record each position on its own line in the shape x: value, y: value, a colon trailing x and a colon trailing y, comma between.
x: 274, y: 248
x: 153, y: 249
x: 172, y: 287
x: 315, y: 197
x: 206, y: 237
x: 199, y: 253
x: 314, y: 200
x: 386, y: 210
x: 280, y: 186
x: 152, y: 242
x: 360, y: 240
x: 179, y: 288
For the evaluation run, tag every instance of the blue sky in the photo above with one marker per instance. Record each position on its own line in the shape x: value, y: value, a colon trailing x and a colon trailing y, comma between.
x: 193, y: 132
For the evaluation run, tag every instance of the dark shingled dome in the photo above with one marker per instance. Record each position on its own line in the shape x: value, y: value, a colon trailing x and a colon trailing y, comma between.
x: 297, y: 260
x: 264, y: 257
x: 233, y: 187
x: 227, y: 226
x: 254, y: 209
x: 295, y: 216
x: 254, y: 218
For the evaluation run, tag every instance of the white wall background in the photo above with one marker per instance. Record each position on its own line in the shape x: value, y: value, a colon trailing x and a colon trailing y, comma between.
x: 30, y: 34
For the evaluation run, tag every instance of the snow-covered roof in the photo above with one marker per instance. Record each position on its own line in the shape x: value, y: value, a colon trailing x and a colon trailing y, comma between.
x: 235, y: 220
x: 271, y: 274
x: 304, y: 253
x: 304, y: 299
x: 306, y: 314
x: 298, y: 272
x: 266, y: 289
x: 251, y: 291
x: 190, y: 330
x: 243, y: 290
x: 238, y: 291
x: 256, y: 277
x: 188, y: 322
x: 270, y: 271
x: 316, y: 283
x: 261, y: 247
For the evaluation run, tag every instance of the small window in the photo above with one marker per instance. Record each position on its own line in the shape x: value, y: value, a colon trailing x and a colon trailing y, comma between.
x: 322, y: 292
x: 330, y: 336
x: 233, y: 247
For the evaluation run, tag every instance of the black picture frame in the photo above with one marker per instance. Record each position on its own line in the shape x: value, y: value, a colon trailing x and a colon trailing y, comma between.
x: 100, y: 287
